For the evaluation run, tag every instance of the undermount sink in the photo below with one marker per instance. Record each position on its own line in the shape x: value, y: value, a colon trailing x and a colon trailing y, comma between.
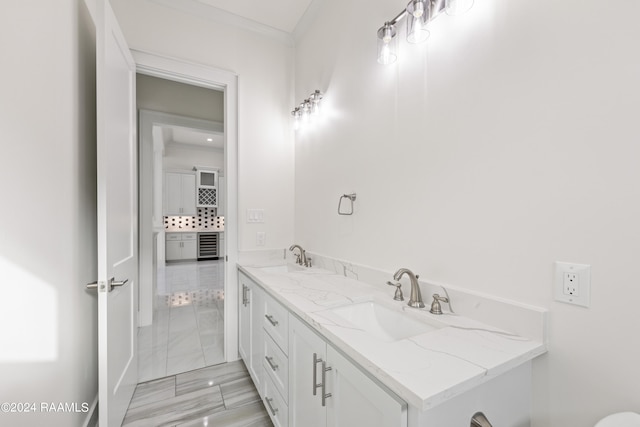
x: 381, y: 322
x: 285, y: 268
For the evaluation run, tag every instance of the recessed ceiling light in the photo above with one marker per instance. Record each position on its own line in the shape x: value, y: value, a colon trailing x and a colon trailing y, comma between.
x: 210, y: 139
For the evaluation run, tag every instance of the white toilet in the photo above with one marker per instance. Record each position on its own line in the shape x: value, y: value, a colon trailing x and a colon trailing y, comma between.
x: 621, y: 419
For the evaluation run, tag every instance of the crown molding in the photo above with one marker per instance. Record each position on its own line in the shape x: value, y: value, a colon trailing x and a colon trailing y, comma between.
x: 213, y: 14
x: 307, y: 19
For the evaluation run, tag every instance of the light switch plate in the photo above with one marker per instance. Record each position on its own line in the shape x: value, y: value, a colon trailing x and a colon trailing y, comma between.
x: 573, y: 283
x: 255, y: 216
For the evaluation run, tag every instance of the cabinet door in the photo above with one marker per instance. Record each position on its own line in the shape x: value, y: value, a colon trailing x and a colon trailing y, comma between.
x: 189, y: 249
x: 188, y: 185
x: 257, y: 337
x: 244, y: 320
x: 173, y: 250
x: 173, y: 194
x: 250, y: 329
x: 356, y: 400
x: 305, y: 408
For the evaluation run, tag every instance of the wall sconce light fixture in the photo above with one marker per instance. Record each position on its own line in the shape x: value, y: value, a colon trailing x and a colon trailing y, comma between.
x: 418, y: 13
x: 307, y: 109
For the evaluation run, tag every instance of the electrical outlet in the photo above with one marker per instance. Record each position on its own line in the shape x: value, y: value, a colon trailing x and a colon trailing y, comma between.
x: 261, y: 238
x: 573, y: 283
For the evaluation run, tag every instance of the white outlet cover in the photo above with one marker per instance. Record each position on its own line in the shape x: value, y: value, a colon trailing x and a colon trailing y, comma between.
x: 583, y: 271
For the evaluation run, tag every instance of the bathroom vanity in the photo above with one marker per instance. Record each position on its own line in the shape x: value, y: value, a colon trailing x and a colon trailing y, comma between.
x: 324, y: 349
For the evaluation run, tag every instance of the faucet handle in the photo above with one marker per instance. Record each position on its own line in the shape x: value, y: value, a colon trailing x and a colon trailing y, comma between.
x: 398, y: 295
x: 435, y: 305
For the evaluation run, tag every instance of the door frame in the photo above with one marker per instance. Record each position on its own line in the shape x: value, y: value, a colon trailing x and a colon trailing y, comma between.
x: 164, y: 67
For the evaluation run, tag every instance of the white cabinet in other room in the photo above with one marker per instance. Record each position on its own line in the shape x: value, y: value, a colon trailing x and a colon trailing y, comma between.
x: 250, y: 319
x: 180, y: 194
x: 181, y: 246
x: 326, y: 389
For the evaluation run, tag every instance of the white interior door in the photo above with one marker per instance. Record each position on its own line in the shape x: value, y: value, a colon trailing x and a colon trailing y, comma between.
x: 117, y: 219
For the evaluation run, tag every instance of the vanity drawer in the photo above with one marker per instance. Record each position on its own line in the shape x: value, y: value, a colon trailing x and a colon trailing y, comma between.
x: 276, y: 322
x: 172, y: 236
x: 276, y: 407
x: 276, y: 364
x: 189, y: 236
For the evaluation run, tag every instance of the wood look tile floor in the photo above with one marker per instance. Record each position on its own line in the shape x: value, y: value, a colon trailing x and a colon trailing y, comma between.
x: 221, y: 396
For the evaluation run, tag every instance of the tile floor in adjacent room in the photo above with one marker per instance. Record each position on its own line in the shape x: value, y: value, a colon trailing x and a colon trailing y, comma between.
x: 188, y: 324
x: 221, y: 395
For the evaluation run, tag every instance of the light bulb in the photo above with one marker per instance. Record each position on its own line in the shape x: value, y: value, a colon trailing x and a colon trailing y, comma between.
x: 387, y: 35
x: 387, y: 44
x: 418, y: 11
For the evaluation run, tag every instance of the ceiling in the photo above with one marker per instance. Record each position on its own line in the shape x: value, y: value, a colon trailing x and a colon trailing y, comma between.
x: 281, y: 14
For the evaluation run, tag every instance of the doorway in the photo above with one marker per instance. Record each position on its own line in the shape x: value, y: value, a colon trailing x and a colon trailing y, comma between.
x: 182, y: 305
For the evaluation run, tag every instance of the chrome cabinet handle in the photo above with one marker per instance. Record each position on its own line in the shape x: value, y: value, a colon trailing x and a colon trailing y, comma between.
x: 271, y: 408
x: 270, y: 319
x: 324, y: 383
x: 316, y: 360
x: 271, y: 364
x: 244, y: 294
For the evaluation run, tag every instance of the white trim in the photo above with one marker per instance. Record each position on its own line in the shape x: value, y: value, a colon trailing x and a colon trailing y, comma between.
x: 92, y: 414
x: 308, y: 17
x: 210, y: 77
x: 220, y: 16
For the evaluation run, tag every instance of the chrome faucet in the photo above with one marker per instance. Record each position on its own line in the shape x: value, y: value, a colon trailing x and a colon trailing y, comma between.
x: 302, y: 257
x: 415, y: 300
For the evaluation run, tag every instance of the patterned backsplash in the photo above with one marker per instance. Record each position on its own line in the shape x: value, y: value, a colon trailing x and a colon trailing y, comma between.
x: 207, y: 220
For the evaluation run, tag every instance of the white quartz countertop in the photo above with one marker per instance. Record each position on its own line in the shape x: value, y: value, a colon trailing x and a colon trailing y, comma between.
x: 425, y: 369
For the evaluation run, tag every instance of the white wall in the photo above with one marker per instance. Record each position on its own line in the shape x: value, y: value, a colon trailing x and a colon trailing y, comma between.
x: 265, y: 83
x: 48, y: 320
x: 187, y: 156
x: 167, y: 96
x: 507, y: 142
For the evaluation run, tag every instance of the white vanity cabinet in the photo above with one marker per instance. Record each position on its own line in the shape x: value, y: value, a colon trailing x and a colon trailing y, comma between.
x: 326, y: 389
x: 275, y: 392
x: 180, y: 194
x: 251, y: 335
x: 181, y: 246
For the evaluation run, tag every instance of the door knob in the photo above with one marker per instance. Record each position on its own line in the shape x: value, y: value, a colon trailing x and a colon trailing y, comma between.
x: 112, y: 284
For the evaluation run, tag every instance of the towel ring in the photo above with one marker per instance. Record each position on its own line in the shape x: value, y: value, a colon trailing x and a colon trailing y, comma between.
x: 352, y: 198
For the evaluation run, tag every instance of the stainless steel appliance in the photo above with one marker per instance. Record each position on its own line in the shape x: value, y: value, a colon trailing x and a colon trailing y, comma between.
x: 208, y: 246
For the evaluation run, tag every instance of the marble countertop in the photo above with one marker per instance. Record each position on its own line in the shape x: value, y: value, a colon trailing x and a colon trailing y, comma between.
x: 425, y: 369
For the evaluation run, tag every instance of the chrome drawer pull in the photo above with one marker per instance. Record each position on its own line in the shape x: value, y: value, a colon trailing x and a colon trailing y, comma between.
x: 324, y: 383
x: 270, y: 319
x: 316, y: 360
x: 271, y: 364
x: 271, y: 408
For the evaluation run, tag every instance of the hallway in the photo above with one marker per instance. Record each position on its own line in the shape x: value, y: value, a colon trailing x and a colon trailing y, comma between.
x: 188, y: 326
